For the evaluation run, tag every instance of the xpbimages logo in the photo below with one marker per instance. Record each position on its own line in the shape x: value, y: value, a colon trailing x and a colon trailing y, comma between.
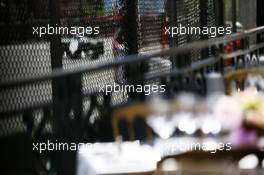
x: 59, y: 146
x: 191, y: 30
x: 146, y: 89
x: 63, y: 30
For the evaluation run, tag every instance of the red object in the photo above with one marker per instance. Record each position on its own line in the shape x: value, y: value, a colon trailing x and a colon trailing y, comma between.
x: 238, y: 44
x: 164, y: 36
x: 229, y: 49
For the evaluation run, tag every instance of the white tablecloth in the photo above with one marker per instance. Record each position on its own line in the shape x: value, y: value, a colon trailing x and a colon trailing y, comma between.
x: 106, y: 158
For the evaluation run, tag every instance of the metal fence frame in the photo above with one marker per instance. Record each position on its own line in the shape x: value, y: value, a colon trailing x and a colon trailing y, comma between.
x: 64, y: 101
x: 67, y: 87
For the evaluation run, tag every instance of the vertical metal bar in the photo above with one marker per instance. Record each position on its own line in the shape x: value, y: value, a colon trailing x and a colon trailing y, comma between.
x: 130, y: 26
x: 205, y: 51
x: 56, y: 50
x: 174, y: 84
x: 219, y: 8
x: 56, y: 62
x: 172, y: 13
x: 203, y: 16
x: 234, y: 20
x: 61, y: 100
x: 260, y: 13
x: 203, y: 23
x: 234, y: 15
x: 260, y: 19
x: 75, y: 102
x: 221, y: 64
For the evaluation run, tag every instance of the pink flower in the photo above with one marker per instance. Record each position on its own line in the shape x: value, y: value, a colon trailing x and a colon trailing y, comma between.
x: 228, y: 112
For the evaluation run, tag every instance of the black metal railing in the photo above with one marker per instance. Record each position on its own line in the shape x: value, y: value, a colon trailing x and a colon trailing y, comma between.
x: 69, y: 121
x: 44, y: 98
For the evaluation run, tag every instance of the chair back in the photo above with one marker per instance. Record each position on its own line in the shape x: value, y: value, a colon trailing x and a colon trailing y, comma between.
x: 129, y: 114
x: 237, y: 78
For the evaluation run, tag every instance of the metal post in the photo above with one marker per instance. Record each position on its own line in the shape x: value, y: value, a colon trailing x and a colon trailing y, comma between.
x: 260, y: 19
x: 130, y: 26
x: 172, y: 13
x: 174, y: 84
x: 219, y: 7
x: 56, y: 50
x: 203, y: 23
x: 60, y: 90
x: 234, y: 15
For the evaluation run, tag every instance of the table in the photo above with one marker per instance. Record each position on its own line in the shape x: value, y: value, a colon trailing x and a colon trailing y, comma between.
x: 114, y: 158
x: 133, y: 158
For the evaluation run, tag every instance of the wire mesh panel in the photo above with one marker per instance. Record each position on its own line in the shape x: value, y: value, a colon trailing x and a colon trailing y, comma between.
x: 87, y: 33
x: 155, y: 17
x: 151, y: 20
x: 23, y: 55
x: 103, y: 46
x: 99, y: 36
x: 188, y: 15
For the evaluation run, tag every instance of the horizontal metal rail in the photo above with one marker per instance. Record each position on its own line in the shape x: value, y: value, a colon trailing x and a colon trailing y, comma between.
x: 242, y: 52
x: 194, y: 66
x: 57, y: 73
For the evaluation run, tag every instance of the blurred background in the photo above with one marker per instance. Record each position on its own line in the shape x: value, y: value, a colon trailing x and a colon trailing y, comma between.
x: 209, y: 119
